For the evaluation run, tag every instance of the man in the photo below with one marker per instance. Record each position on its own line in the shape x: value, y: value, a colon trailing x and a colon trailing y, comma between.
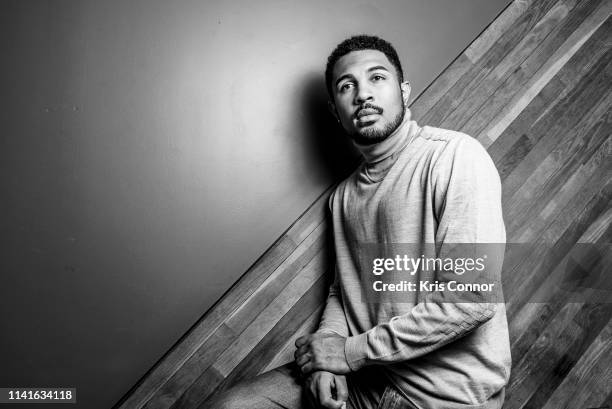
x: 417, y: 185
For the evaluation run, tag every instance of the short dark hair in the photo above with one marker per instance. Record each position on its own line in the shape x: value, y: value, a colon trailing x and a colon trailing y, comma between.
x: 357, y: 43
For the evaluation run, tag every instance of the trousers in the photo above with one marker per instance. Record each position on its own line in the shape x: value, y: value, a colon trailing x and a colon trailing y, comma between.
x: 284, y: 387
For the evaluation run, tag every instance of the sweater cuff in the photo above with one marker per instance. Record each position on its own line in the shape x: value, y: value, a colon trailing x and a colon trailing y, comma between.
x: 356, y: 351
x: 329, y: 331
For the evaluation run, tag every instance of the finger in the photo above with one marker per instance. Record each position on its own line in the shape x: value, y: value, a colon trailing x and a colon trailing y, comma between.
x: 308, y: 383
x: 301, y: 341
x: 314, y: 389
x: 341, y: 388
x: 325, y: 394
x: 300, y: 351
x: 302, y: 359
x: 307, y: 368
x: 331, y: 403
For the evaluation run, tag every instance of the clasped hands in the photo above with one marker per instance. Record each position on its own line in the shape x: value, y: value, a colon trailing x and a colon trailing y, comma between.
x: 321, y: 357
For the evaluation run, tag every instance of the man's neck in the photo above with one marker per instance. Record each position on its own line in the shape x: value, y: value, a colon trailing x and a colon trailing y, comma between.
x: 395, y: 142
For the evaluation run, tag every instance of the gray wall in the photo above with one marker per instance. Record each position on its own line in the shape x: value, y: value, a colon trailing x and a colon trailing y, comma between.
x: 151, y: 151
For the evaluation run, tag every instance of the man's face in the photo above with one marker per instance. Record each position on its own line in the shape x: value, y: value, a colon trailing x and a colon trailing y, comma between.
x: 368, y: 99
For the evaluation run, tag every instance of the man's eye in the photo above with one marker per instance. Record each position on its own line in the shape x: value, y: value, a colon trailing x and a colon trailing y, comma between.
x: 378, y: 77
x: 345, y: 86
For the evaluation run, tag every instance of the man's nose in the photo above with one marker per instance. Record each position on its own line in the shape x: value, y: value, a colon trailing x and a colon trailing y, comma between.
x: 364, y: 94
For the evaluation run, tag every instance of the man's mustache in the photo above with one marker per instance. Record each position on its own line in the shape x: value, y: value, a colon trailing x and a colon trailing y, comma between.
x: 368, y: 109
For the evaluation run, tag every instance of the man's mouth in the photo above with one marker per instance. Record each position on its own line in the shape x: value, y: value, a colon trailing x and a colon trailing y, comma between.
x: 367, y: 116
x: 363, y: 112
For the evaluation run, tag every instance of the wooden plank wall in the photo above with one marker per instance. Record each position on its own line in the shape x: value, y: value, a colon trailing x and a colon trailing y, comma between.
x: 534, y: 89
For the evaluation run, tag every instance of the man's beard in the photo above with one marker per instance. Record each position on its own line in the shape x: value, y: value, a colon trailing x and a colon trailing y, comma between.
x: 371, y: 136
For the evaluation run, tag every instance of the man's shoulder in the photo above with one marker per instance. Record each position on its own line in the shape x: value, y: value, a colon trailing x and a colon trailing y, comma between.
x: 450, y: 141
x: 341, y: 186
x: 444, y: 136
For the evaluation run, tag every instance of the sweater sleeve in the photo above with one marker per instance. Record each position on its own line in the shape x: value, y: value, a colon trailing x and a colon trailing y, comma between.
x: 466, y: 193
x: 333, y: 319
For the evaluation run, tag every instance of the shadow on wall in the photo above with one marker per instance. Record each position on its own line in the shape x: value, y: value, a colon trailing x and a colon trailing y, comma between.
x: 326, y: 142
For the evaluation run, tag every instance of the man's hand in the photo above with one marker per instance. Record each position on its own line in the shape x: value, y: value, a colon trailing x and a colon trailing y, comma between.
x: 323, y: 352
x: 328, y: 389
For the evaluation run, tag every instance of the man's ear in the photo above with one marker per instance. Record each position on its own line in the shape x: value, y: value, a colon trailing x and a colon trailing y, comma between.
x: 405, y: 92
x: 332, y: 109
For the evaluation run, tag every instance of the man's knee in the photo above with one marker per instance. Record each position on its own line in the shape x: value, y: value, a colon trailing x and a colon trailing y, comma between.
x: 230, y: 399
x: 278, y: 388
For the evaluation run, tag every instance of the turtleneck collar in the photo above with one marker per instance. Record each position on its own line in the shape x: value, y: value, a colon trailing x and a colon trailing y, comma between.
x: 393, y: 143
x: 380, y: 157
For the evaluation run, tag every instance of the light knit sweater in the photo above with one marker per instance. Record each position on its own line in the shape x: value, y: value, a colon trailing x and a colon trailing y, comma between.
x: 421, y: 185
